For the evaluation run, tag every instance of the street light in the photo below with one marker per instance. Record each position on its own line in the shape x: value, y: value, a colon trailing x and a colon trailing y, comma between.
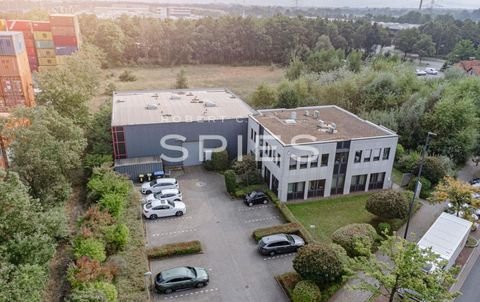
x: 148, y: 278
x: 412, y: 203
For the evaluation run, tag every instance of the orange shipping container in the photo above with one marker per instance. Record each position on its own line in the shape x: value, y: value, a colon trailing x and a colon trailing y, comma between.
x: 47, y: 61
x: 42, y: 35
x: 62, y: 20
x: 9, y: 66
x: 46, y: 53
x: 63, y: 31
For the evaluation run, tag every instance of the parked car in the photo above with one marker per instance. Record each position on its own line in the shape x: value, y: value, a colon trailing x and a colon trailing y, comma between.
x: 409, y: 294
x: 475, y: 182
x: 162, y: 208
x: 158, y: 185
x: 179, y: 278
x: 255, y: 198
x: 280, y: 244
x: 431, y: 70
x: 167, y: 194
x: 420, y: 72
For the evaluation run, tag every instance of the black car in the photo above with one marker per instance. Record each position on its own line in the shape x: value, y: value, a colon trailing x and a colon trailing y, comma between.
x: 255, y: 198
x: 280, y: 244
x: 180, y: 278
x: 475, y: 181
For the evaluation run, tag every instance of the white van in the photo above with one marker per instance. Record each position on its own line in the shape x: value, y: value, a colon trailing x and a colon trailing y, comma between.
x: 158, y: 185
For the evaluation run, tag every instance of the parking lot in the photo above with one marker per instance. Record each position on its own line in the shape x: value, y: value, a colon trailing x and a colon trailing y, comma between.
x: 224, y: 227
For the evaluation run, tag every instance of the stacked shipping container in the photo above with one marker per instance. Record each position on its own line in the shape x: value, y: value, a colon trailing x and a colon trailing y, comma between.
x: 16, y: 87
x: 42, y: 34
x: 25, y: 26
x: 66, y: 35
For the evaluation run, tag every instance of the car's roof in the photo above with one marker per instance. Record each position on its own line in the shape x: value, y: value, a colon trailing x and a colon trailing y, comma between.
x: 182, y: 271
x: 274, y: 238
x: 160, y: 180
x: 168, y: 191
x: 158, y: 202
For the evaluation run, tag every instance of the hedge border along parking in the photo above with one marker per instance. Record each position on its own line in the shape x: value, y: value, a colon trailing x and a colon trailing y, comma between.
x: 174, y: 249
x: 287, y: 228
x: 288, y: 281
x: 288, y: 216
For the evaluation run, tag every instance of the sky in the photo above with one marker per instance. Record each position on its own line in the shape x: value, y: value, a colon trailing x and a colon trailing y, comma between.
x: 468, y: 4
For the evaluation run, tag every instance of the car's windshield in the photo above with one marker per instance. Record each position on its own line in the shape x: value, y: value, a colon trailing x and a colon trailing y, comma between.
x: 194, y: 272
x: 157, y: 195
x: 171, y: 203
x: 290, y: 238
x: 262, y: 243
x: 148, y: 205
x: 153, y: 182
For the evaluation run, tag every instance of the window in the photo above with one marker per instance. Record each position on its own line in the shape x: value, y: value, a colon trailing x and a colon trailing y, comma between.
x: 337, y: 185
x: 119, y: 148
x: 295, y: 190
x: 358, y: 156
x: 324, y: 160
x: 266, y: 149
x: 376, y: 154
x: 293, y: 163
x: 278, y: 159
x: 343, y: 145
x: 316, y: 188
x: 314, y: 161
x: 304, y: 162
x: 251, y: 134
x: 358, y: 183
x: 386, y: 154
x: 367, y: 156
x: 376, y: 181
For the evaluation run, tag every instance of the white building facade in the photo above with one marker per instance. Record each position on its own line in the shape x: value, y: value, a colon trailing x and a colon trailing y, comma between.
x: 315, y: 152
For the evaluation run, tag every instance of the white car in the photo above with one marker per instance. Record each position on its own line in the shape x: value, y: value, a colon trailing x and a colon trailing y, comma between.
x: 158, y: 185
x: 431, y: 70
x: 167, y: 194
x: 162, y: 208
x: 420, y: 72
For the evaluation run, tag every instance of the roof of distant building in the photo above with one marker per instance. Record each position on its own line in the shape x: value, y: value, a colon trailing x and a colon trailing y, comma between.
x: 318, y: 124
x: 470, y: 66
x: 171, y: 106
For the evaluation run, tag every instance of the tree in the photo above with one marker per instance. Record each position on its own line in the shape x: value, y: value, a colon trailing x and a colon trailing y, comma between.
x: 181, y: 82
x: 354, y: 60
x: 264, y: 96
x: 323, y: 43
x: 324, y: 60
x: 388, y: 204
x: 246, y: 169
x: 406, y: 40
x: 463, y: 50
x: 110, y: 37
x: 424, y: 47
x: 458, y: 193
x: 287, y: 97
x: 435, y: 168
x: 402, y: 266
x: 357, y: 239
x: 319, y: 262
x: 99, y: 134
x: 295, y: 69
x: 44, y: 151
x: 230, y: 181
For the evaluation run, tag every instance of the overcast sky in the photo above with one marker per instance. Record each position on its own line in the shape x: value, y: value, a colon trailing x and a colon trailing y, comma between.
x: 469, y: 4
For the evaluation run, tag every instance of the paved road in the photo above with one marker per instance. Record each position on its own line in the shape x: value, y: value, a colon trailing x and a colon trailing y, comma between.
x: 238, y: 272
x: 470, y: 290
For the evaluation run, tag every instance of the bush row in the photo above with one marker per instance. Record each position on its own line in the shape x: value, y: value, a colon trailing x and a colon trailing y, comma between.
x: 100, y: 237
x: 288, y: 281
x: 175, y: 249
x: 287, y: 228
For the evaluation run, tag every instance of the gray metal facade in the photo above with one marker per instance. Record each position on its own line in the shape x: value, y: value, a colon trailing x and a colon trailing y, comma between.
x: 144, y: 140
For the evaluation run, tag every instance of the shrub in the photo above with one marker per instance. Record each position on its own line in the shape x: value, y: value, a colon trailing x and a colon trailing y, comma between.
x: 108, y: 290
x: 220, y: 161
x: 399, y: 153
x: 357, y: 239
x: 341, y: 253
x: 407, y: 162
x: 116, y: 237
x: 96, y: 160
x: 95, y: 220
x: 230, y: 181
x: 92, y: 248
x: 288, y: 228
x: 104, y: 180
x: 306, y: 291
x: 388, y: 204
x: 113, y: 203
x: 384, y: 228
x: 243, y: 191
x: 426, y: 186
x: 109, y: 89
x: 435, y: 168
x: 175, y: 249
x: 288, y: 281
x: 87, y: 294
x: 87, y: 270
x: 127, y: 76
x: 319, y: 263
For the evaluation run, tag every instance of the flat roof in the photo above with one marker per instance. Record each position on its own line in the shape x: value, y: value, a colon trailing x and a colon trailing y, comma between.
x: 445, y: 235
x: 174, y: 106
x: 317, y: 124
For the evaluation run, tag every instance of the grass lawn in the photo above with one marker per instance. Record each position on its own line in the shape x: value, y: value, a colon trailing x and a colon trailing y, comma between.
x: 397, y: 176
x: 242, y: 80
x: 330, y: 214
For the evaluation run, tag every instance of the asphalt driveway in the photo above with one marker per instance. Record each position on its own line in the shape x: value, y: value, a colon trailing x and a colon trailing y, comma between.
x: 237, y: 271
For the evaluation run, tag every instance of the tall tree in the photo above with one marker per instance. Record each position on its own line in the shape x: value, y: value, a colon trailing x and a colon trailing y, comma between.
x: 110, y: 37
x: 457, y: 192
x: 424, y: 47
x: 264, y: 96
x: 406, y: 39
x: 463, y: 50
x: 182, y: 81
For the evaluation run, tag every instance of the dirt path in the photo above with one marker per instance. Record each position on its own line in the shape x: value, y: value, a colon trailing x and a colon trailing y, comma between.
x: 58, y: 287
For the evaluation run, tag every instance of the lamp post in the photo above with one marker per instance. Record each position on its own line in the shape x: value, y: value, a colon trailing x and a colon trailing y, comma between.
x: 148, y: 278
x: 422, y: 160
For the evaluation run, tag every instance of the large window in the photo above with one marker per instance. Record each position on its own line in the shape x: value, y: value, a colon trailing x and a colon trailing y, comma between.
x: 386, y: 154
x: 324, y: 160
x: 358, y: 183
x: 376, y: 154
x: 368, y: 155
x: 293, y: 162
x: 295, y: 190
x: 316, y: 188
x: 314, y: 161
x: 119, y: 148
x: 304, y: 162
x: 337, y: 184
x: 358, y: 156
x: 376, y: 181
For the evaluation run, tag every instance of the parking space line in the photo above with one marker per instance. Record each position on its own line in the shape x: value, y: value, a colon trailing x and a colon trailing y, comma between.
x: 198, y: 292
x: 246, y: 209
x: 174, y: 233
x: 279, y: 256
x: 168, y: 219
x: 261, y: 219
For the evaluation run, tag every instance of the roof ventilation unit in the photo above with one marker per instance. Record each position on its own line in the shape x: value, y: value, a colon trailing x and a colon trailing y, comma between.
x: 189, y: 94
x: 316, y: 114
x: 175, y: 97
x: 307, y: 113
x: 293, y: 115
x: 151, y: 107
x: 321, y: 124
x: 210, y: 104
x: 290, y: 122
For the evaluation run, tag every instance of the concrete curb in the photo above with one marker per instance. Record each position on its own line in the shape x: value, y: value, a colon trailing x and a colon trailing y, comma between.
x: 466, y: 269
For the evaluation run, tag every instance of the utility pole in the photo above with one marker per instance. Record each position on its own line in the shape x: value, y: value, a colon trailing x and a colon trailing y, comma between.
x: 420, y: 6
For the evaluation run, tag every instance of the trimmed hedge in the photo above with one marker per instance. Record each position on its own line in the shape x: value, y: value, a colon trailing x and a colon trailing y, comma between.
x: 175, y: 249
x: 357, y: 239
x: 287, y: 228
x: 388, y: 204
x: 230, y: 181
x: 288, y: 281
x: 306, y: 291
x: 243, y: 191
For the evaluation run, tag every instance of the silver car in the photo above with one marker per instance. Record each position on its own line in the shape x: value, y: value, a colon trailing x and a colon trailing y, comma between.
x: 167, y: 194
x: 158, y: 185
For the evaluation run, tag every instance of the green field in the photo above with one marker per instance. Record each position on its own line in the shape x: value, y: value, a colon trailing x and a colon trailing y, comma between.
x: 242, y: 80
x: 327, y: 215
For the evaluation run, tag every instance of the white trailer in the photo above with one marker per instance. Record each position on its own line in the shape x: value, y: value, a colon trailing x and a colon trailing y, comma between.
x: 447, y: 237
